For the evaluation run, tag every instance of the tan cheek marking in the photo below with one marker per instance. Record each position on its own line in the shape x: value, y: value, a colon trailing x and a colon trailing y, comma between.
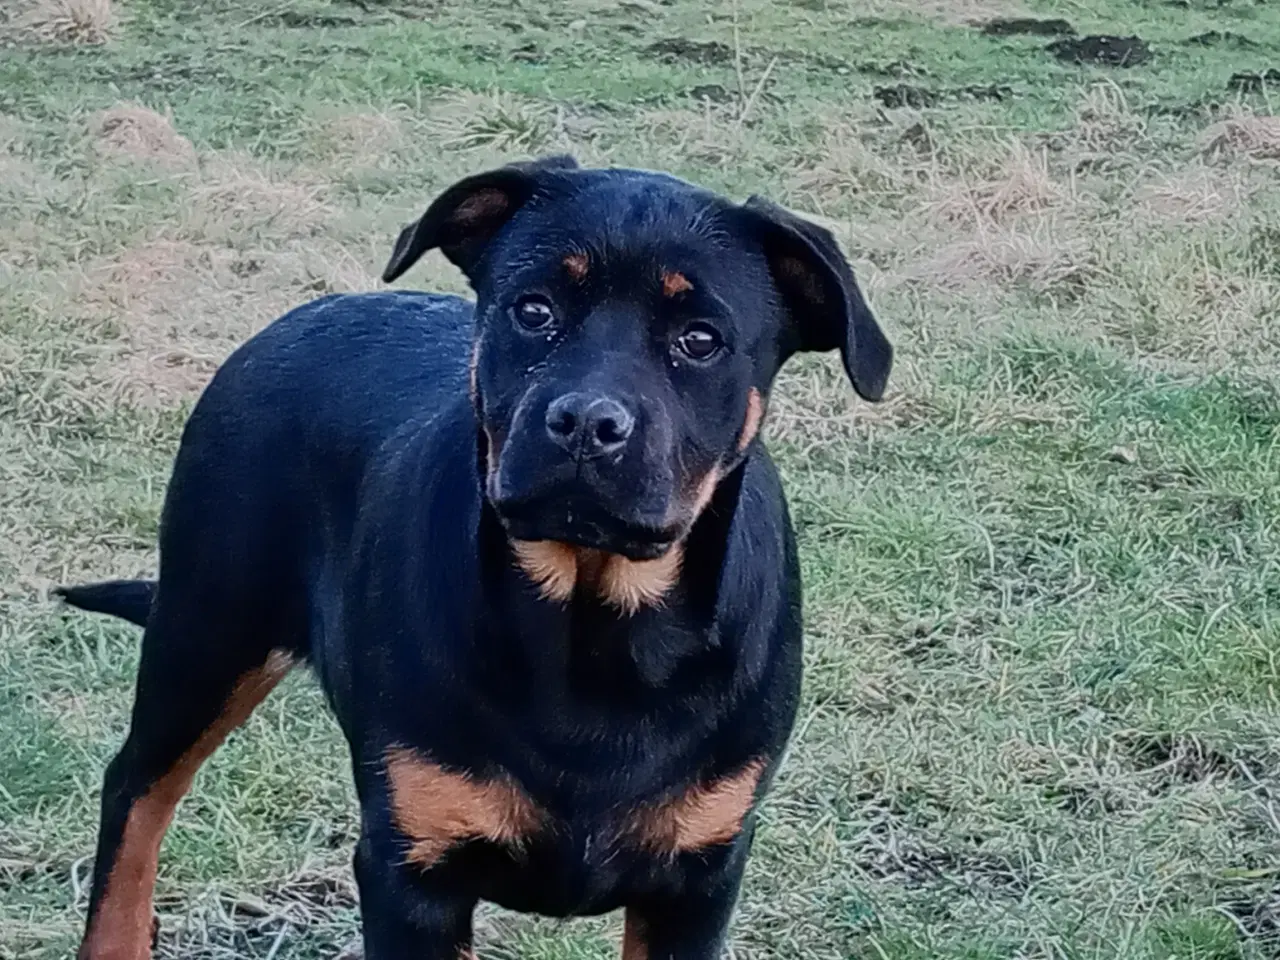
x: 490, y: 461
x: 576, y: 264
x: 436, y: 809
x: 121, y: 928
x: 553, y: 566
x: 706, y: 814
x: 473, y: 373
x: 706, y: 490
x: 635, y: 944
x: 632, y: 584
x: 751, y: 425
x: 674, y: 283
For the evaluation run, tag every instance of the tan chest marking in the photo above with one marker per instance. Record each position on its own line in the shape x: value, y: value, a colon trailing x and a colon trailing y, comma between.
x: 437, y: 809
x: 558, y: 569
x: 704, y: 815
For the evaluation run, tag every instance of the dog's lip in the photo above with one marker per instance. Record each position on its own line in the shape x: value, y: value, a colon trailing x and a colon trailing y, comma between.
x: 581, y: 525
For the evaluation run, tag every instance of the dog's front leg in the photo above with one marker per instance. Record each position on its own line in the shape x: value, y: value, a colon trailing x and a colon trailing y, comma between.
x: 403, y: 917
x: 689, y: 924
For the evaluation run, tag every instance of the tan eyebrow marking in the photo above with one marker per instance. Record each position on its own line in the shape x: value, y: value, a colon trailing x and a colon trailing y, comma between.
x: 576, y: 264
x: 674, y: 282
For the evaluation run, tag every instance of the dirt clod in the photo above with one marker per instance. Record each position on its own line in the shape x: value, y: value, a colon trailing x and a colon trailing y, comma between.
x: 1222, y: 38
x: 696, y: 51
x: 1254, y: 82
x: 906, y: 95
x: 1102, y: 50
x: 1028, y: 26
x: 909, y: 95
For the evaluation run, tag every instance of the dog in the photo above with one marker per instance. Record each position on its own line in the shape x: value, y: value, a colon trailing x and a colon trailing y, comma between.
x: 532, y: 546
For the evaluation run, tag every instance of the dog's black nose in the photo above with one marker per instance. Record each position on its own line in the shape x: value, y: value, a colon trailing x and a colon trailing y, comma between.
x: 589, y: 425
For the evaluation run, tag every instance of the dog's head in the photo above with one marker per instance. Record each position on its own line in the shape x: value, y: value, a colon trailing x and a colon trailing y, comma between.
x: 628, y: 329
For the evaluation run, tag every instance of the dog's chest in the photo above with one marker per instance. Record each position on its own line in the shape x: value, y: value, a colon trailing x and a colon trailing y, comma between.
x: 531, y: 853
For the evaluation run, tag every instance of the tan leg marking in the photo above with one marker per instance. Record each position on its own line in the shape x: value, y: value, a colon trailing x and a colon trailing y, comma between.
x: 751, y: 425
x: 437, y: 809
x: 635, y: 944
x: 121, y: 927
x: 704, y: 815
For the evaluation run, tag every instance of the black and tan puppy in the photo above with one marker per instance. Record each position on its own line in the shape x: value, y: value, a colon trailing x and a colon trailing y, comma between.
x: 531, y: 546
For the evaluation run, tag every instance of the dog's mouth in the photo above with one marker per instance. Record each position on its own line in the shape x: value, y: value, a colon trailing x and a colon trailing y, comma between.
x: 582, y: 522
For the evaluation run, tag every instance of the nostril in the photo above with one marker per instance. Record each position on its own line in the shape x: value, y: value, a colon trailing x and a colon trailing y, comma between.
x: 610, y: 432
x: 607, y: 432
x: 562, y: 423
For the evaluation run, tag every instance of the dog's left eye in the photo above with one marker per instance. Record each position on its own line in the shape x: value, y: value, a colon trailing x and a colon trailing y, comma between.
x: 534, y: 313
x: 700, y: 342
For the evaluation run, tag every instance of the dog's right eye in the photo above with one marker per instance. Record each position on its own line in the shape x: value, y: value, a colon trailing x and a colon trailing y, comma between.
x: 533, y: 313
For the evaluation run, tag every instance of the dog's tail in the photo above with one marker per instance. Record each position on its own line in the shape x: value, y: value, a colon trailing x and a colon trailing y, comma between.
x: 128, y: 599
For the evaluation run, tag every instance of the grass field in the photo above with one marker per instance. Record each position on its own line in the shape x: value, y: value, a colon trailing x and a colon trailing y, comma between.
x: 1041, y: 716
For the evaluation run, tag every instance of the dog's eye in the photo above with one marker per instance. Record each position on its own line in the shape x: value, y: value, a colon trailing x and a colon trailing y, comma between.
x: 533, y: 313
x: 700, y: 342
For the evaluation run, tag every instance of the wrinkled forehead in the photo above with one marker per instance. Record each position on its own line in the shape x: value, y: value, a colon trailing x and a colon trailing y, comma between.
x: 632, y: 229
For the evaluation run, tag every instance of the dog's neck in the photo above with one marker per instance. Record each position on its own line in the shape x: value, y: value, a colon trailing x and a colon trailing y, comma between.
x: 605, y: 609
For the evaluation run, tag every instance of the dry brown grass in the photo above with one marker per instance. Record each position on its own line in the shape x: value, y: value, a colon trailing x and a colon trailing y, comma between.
x: 360, y: 139
x: 173, y: 303
x: 1192, y: 195
x: 182, y: 306
x: 955, y: 12
x: 1022, y: 184
x: 496, y: 120
x: 1245, y: 136
x: 140, y: 133
x: 1046, y: 254
x: 238, y: 197
x: 1105, y: 122
x: 70, y: 21
x: 845, y: 168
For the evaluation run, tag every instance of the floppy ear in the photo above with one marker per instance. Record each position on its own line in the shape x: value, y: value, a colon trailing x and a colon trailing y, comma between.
x: 827, y: 309
x: 463, y: 219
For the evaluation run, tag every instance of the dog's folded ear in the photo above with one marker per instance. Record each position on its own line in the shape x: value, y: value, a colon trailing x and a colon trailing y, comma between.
x: 463, y: 219
x: 827, y: 308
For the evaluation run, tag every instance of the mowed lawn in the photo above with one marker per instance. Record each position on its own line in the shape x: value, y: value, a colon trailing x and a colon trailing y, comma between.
x: 1043, y: 578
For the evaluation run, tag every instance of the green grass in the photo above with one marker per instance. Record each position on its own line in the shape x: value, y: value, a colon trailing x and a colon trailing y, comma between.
x: 1043, y: 579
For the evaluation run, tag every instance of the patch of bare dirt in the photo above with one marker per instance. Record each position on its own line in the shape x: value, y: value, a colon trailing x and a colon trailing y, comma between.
x: 1028, y: 27
x: 140, y: 133
x: 1102, y: 50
